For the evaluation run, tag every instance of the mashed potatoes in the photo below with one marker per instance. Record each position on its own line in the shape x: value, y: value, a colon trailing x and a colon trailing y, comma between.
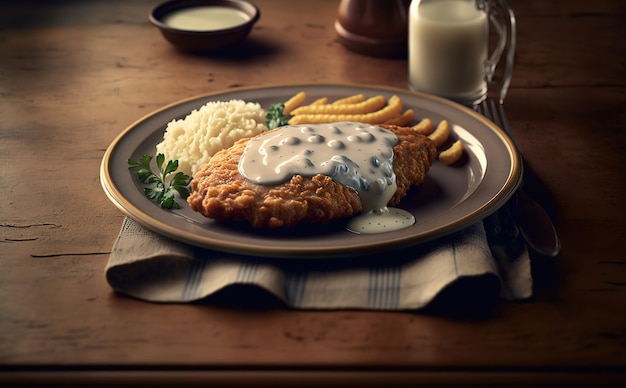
x: 216, y: 125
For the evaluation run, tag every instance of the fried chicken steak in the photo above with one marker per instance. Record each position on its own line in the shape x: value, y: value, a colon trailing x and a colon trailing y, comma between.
x: 220, y: 192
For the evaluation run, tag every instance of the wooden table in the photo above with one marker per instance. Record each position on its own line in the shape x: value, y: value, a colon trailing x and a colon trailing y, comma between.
x: 73, y: 75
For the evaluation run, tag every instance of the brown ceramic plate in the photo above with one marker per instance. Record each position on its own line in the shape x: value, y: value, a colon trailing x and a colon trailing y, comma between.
x: 452, y: 198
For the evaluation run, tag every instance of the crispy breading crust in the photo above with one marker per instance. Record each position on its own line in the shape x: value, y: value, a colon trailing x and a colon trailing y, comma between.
x: 412, y: 158
x: 218, y: 190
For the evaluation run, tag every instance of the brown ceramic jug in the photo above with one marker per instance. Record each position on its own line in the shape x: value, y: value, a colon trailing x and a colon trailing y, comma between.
x: 373, y: 27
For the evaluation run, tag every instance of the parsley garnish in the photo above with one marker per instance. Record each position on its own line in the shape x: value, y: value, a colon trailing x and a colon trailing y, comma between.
x: 275, y: 117
x: 162, y: 191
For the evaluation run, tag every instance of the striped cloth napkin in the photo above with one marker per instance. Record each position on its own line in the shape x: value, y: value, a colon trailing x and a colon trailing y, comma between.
x: 486, y: 258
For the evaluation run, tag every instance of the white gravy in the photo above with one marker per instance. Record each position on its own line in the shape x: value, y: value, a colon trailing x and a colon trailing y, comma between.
x: 205, y: 18
x: 359, y: 156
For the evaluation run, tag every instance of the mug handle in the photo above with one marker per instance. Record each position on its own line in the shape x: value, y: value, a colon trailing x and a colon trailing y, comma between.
x: 501, y: 16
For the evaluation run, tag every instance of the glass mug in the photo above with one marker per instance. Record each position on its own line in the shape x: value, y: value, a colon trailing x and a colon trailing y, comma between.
x: 449, y: 46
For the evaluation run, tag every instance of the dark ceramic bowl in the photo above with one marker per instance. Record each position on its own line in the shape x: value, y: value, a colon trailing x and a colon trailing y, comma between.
x: 197, y: 30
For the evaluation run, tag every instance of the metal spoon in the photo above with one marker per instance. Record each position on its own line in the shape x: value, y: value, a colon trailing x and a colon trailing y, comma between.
x: 532, y: 219
x: 535, y: 225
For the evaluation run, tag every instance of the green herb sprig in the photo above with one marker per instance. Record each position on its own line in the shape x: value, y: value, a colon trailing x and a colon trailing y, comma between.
x: 275, y: 117
x: 163, y: 190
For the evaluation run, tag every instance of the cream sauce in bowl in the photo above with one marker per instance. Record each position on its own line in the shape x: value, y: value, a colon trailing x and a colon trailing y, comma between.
x: 357, y: 155
x: 205, y: 18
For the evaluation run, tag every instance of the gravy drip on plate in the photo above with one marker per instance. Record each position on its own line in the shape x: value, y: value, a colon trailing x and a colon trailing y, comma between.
x: 357, y: 155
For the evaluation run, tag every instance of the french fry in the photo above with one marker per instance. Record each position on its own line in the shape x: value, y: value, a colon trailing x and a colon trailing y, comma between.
x: 356, y: 98
x: 320, y: 101
x: 452, y: 154
x: 441, y: 133
x: 424, y: 127
x: 294, y: 102
x: 370, y: 105
x: 393, y: 108
x: 403, y: 119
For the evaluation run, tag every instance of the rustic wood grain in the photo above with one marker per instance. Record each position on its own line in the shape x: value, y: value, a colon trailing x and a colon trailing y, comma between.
x: 73, y: 75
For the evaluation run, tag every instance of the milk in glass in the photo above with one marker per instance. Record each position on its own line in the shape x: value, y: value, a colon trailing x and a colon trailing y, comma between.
x: 448, y: 48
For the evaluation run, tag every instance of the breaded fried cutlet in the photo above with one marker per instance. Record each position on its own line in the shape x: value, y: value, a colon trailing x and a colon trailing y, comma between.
x: 220, y: 192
